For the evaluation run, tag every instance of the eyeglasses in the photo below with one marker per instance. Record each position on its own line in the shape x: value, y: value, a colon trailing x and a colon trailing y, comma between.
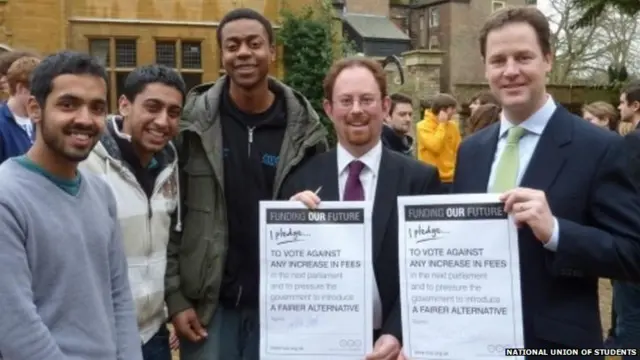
x: 348, y: 103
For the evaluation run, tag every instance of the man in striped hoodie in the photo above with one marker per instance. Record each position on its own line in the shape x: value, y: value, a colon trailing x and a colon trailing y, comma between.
x: 137, y: 160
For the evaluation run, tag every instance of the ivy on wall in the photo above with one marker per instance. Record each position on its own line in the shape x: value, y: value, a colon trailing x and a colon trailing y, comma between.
x: 310, y: 46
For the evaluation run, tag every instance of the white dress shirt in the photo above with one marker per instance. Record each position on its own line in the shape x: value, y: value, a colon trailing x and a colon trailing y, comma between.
x: 369, y: 179
x: 534, y: 126
x: 26, y: 124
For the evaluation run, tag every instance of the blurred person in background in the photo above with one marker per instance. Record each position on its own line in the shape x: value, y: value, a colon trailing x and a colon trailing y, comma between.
x: 602, y: 114
x: 630, y: 104
x: 439, y: 137
x: 625, y: 128
x: 396, y: 132
x: 6, y: 60
x: 626, y: 294
x: 16, y: 129
x: 482, y: 98
x: 483, y: 116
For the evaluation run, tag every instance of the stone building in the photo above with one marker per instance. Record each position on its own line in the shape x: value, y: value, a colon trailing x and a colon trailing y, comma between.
x: 450, y: 27
x: 366, y: 23
x: 128, y: 33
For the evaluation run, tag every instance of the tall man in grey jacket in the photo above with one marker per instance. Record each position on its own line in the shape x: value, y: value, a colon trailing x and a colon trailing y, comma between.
x: 240, y: 137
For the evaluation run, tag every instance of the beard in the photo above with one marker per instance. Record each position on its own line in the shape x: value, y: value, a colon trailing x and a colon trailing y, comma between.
x: 360, y: 135
x: 56, y: 140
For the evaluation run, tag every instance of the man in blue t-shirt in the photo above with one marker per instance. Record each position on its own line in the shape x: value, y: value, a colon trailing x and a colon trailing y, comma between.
x: 16, y: 129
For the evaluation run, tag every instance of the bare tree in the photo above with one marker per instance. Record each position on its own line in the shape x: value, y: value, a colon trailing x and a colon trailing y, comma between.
x: 584, y: 54
x: 594, y: 9
x: 620, y: 36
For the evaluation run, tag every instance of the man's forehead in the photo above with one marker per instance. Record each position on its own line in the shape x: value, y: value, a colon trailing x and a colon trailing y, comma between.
x: 357, y: 78
x: 243, y: 28
x: 404, y: 107
x: 162, y: 93
x: 508, y: 40
x: 78, y: 85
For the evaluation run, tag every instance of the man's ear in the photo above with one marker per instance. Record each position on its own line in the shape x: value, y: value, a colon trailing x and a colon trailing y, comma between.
x: 124, y: 106
x: 272, y: 51
x: 34, y: 111
x: 328, y: 109
x: 386, y: 105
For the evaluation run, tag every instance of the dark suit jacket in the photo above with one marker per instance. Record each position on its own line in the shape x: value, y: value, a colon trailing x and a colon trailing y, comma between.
x: 632, y: 142
x: 583, y: 171
x: 398, y: 175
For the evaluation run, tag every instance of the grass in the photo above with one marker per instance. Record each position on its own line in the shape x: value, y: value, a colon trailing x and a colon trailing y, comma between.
x: 605, y: 313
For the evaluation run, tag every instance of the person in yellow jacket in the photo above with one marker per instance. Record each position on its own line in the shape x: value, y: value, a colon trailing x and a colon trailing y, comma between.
x: 438, y: 137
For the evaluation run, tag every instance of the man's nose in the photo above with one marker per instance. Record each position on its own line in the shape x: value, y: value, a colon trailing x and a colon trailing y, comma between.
x: 244, y: 50
x: 356, y: 108
x: 162, y: 120
x: 84, y: 115
x: 512, y: 68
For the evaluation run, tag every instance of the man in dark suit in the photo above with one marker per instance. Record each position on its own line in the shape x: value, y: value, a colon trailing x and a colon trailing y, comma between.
x: 564, y: 181
x: 630, y: 112
x: 361, y: 169
x: 626, y: 295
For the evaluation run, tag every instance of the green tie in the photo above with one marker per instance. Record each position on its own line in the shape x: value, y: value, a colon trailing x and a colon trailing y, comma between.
x: 506, y: 175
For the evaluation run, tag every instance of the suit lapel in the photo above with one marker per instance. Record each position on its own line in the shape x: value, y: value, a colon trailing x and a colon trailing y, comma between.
x: 483, y: 159
x: 329, y: 177
x: 385, y: 198
x: 550, y: 153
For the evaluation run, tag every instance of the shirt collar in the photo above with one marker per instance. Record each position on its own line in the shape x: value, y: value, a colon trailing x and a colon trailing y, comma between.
x: 371, y: 159
x: 534, y: 124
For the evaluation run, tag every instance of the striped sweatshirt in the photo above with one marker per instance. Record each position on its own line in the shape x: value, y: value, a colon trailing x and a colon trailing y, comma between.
x: 145, y: 223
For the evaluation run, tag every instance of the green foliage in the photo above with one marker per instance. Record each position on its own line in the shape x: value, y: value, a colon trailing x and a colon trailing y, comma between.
x: 618, y: 76
x: 310, y: 47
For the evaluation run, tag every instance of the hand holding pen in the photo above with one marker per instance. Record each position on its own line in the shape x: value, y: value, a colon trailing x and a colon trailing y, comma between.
x: 308, y: 198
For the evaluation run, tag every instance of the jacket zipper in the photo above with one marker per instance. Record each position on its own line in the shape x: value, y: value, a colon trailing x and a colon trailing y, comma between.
x: 250, y: 130
x: 250, y: 142
x: 149, y: 237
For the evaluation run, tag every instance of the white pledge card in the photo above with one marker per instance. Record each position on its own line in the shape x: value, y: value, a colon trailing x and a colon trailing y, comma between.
x: 316, y: 281
x: 459, y: 276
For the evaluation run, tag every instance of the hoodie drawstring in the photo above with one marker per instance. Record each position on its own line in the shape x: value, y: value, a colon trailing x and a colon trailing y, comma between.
x: 178, y: 227
x: 176, y: 176
x: 179, y: 222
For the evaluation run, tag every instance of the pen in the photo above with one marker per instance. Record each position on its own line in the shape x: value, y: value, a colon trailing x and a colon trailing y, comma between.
x: 318, y: 190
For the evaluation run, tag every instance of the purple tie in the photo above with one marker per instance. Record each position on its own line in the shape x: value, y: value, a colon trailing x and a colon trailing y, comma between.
x: 353, y: 190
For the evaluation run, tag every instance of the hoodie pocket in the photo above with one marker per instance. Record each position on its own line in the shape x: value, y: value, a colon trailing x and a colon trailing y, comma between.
x: 200, y: 184
x: 201, y: 267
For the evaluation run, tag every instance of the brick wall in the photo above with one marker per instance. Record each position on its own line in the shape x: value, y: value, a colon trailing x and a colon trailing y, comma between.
x: 43, y: 25
x: 48, y: 26
x: 36, y: 25
x: 457, y: 35
x: 466, y: 21
x: 400, y: 15
x: 371, y: 7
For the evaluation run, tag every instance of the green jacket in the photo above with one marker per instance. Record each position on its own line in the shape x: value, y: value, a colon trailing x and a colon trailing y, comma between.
x: 196, y: 253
